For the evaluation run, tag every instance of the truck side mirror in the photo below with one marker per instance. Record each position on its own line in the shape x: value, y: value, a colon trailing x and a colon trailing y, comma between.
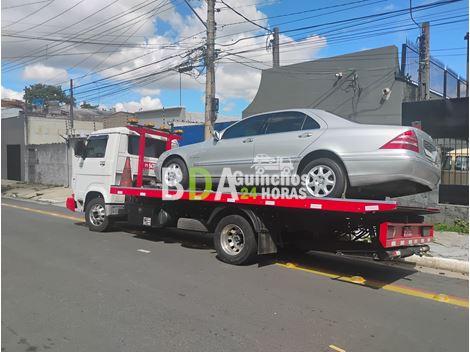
x: 217, y: 135
x: 80, y: 149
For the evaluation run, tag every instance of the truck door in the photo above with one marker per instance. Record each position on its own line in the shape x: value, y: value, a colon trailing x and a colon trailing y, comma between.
x: 95, y: 169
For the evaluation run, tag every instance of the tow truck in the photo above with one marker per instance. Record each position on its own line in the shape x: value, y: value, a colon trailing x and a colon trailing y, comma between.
x: 243, y: 226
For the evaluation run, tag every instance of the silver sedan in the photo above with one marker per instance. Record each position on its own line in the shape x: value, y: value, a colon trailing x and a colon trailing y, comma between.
x: 338, y: 157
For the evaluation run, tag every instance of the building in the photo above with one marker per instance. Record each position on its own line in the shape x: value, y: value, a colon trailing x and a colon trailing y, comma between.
x: 367, y: 86
x: 192, y: 123
x: 117, y: 119
x: 34, y: 147
x: 178, y: 116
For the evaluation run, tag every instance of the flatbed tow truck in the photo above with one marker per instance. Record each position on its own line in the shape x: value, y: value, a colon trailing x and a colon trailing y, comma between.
x: 247, y: 226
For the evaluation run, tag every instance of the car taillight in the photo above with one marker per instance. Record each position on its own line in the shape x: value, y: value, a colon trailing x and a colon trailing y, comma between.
x: 406, y: 140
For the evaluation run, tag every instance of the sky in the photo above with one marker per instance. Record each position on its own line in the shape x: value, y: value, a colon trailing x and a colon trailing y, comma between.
x: 125, y: 54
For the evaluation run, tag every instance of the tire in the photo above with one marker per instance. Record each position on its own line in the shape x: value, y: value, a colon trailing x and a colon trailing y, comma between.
x: 231, y: 249
x: 95, y: 216
x: 178, y: 164
x: 325, y: 178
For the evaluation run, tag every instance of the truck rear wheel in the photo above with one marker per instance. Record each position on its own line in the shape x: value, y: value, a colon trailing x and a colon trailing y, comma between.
x: 234, y: 240
x: 95, y: 216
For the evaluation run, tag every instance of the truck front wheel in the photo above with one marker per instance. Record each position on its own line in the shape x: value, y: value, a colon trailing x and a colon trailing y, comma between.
x: 234, y: 240
x: 95, y: 215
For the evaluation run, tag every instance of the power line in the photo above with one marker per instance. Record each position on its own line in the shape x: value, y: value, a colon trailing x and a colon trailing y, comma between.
x: 22, y: 5
x: 90, y: 29
x: 195, y: 13
x: 245, y: 18
x: 28, y: 15
x: 158, y: 7
x: 411, y: 15
x: 397, y: 12
x: 53, y: 17
x: 348, y: 37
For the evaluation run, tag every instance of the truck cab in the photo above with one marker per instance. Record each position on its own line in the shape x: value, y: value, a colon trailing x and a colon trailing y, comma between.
x: 99, y: 162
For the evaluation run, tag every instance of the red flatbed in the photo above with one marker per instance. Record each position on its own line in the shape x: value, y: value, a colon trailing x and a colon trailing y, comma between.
x: 325, y: 204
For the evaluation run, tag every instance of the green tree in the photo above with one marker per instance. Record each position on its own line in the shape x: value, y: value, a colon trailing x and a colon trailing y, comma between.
x: 86, y: 105
x: 47, y: 92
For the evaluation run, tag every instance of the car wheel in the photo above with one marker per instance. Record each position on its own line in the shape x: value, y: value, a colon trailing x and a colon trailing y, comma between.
x: 176, y: 172
x: 234, y: 240
x: 324, y: 178
x: 95, y: 216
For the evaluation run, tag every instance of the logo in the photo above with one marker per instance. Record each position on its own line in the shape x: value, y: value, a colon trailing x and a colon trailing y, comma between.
x: 272, y: 177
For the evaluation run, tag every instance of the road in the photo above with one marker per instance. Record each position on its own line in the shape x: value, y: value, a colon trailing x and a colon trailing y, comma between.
x: 65, y: 288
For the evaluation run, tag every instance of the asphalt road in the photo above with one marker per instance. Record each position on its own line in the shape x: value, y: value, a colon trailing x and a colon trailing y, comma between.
x: 65, y: 288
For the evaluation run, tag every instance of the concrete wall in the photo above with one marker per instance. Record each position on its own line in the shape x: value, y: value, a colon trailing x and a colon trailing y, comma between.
x: 118, y: 119
x: 41, y: 130
x: 13, y: 133
x: 357, y: 95
x: 47, y: 164
x: 449, y: 213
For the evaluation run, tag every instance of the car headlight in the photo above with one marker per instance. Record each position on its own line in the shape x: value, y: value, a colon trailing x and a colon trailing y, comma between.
x: 174, y: 144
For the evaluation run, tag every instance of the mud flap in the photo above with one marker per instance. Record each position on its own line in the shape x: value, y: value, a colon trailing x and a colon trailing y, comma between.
x: 266, y: 244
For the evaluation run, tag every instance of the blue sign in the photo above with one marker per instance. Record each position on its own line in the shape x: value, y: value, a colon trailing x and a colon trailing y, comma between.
x: 38, y: 101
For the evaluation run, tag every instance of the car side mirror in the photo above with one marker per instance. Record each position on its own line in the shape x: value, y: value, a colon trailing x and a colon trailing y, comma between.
x: 217, y: 135
x: 80, y: 149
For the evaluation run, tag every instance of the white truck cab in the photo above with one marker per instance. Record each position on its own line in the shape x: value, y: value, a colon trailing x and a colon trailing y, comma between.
x: 99, y: 162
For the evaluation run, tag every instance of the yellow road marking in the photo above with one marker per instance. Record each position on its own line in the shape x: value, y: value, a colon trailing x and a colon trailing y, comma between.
x: 439, y: 297
x: 43, y: 212
x: 336, y: 348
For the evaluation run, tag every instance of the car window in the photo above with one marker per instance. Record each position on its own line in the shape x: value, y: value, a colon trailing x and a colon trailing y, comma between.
x: 153, y: 147
x: 252, y: 126
x: 96, y: 146
x: 285, y: 122
x: 310, y: 124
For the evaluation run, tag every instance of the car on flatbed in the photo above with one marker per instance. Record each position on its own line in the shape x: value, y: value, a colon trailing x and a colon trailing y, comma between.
x: 338, y: 157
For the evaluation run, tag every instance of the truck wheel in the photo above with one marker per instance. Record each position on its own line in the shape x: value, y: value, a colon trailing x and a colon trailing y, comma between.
x: 234, y: 240
x: 325, y: 178
x: 95, y: 216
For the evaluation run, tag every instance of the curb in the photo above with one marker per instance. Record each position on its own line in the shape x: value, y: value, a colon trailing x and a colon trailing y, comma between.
x: 454, y: 265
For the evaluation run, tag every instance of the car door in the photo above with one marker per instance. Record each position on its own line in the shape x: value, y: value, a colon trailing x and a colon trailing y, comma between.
x: 235, y: 149
x: 286, y: 135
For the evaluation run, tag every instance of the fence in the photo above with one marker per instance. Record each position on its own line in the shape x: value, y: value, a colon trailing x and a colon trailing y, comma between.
x: 446, y: 120
x: 443, y: 81
x: 454, y: 156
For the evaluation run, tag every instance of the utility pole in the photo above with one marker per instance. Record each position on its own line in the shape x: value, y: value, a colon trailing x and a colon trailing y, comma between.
x: 275, y: 43
x: 209, y: 117
x: 466, y: 92
x: 424, y: 63
x: 71, y: 105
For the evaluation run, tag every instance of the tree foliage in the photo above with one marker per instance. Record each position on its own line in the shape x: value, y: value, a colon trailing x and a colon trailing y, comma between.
x: 46, y: 92
x: 86, y: 105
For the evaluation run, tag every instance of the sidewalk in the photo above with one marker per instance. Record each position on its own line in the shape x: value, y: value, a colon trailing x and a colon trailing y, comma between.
x: 42, y: 193
x: 449, y: 250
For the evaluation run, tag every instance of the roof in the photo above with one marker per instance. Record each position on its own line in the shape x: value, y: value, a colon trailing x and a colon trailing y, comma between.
x: 121, y: 130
